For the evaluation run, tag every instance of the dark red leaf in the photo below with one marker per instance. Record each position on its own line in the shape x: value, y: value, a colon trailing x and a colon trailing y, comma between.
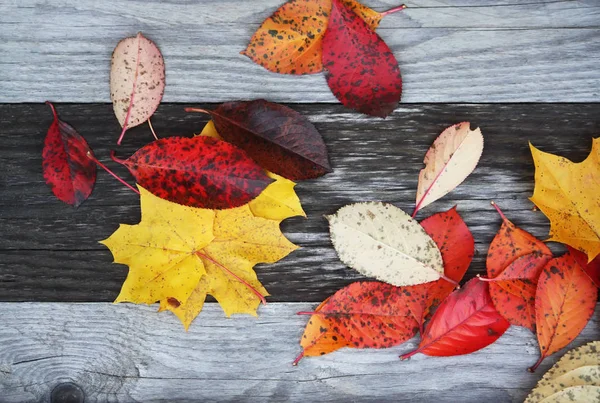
x: 199, y: 172
x: 362, y: 71
x: 277, y: 137
x: 592, y: 269
x: 465, y: 321
x: 67, y: 169
x: 456, y: 244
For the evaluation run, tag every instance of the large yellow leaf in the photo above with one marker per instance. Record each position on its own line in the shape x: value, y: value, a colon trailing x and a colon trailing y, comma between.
x: 568, y: 194
x: 177, y: 255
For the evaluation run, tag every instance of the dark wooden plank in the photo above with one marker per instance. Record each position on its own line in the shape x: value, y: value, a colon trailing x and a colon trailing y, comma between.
x: 50, y: 252
x: 449, y: 51
x: 126, y: 353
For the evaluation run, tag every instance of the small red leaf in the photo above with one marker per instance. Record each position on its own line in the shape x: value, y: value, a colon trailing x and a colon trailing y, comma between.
x: 564, y: 303
x: 465, y: 322
x: 456, y: 244
x: 362, y: 71
x: 67, y: 169
x: 592, y: 269
x: 198, y: 172
x: 280, y: 139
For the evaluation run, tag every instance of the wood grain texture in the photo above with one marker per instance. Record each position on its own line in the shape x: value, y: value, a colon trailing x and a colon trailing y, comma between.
x: 50, y: 252
x: 450, y: 51
x: 126, y: 353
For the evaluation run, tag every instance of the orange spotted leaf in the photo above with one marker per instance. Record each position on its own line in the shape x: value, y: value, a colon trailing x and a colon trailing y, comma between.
x: 592, y: 269
x: 564, y: 303
x: 290, y: 40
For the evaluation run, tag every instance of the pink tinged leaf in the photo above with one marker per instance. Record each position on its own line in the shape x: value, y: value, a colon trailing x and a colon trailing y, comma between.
x: 137, y: 81
x: 67, y: 169
x: 448, y: 162
x: 362, y: 71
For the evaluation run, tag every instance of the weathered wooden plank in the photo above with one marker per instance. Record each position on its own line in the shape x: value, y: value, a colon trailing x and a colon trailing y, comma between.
x: 50, y: 252
x: 451, y: 51
x: 126, y: 353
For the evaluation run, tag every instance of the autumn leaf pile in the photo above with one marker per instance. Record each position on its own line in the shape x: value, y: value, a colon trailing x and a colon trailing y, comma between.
x: 211, y: 204
x: 420, y: 264
x: 337, y: 37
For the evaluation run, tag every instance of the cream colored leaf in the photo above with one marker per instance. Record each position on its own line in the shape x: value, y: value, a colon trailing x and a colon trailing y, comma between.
x: 137, y: 81
x: 380, y: 240
x: 586, y: 375
x: 579, y: 394
x: 448, y: 162
x: 588, y: 354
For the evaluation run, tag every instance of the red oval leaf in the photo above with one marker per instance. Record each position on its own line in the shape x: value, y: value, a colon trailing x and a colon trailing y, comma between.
x: 198, y: 172
x: 592, y: 269
x: 67, y: 169
x: 564, y: 303
x: 465, y: 322
x: 277, y: 137
x: 362, y: 71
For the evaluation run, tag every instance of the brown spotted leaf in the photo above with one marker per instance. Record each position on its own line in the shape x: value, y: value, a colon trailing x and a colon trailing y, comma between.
x: 290, y: 40
x: 137, y: 81
x: 362, y: 71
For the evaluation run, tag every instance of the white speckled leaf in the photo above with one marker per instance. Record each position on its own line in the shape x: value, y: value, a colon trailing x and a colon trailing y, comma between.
x: 380, y: 240
x: 578, y: 394
x: 137, y: 80
x: 586, y: 375
x: 448, y: 162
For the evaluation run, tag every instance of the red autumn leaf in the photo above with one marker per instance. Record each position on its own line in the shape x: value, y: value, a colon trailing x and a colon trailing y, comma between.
x: 362, y: 71
x: 198, y: 172
x: 280, y: 139
x: 366, y: 314
x: 564, y: 303
x: 67, y: 169
x: 592, y: 269
x: 465, y: 321
x: 456, y: 244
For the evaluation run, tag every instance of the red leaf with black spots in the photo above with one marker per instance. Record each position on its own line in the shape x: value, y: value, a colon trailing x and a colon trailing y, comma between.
x: 67, y: 169
x: 280, y: 139
x: 592, y: 269
x: 564, y: 303
x: 456, y: 244
x: 514, y: 262
x: 466, y: 321
x: 366, y: 314
x: 361, y: 70
x: 198, y: 172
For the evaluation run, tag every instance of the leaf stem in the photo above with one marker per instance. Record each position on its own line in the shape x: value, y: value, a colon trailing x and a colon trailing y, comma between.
x: 448, y: 279
x: 152, y: 129
x: 197, y: 110
x: 393, y: 10
x: 493, y: 203
x: 408, y: 355
x: 537, y: 364
x: 101, y: 165
x: 113, y: 156
x: 306, y: 313
x: 238, y: 278
x: 53, y: 110
x: 297, y: 360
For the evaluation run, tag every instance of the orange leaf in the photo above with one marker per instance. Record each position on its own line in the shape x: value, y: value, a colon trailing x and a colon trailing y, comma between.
x: 564, y: 303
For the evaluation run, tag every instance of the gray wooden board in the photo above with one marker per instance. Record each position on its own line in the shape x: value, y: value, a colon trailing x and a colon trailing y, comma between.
x: 50, y: 252
x: 448, y: 51
x: 127, y: 353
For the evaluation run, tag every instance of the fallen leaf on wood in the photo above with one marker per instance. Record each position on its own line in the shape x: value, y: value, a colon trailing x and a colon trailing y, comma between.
x: 592, y: 269
x: 564, y: 303
x: 567, y: 193
x: 514, y: 262
x: 290, y: 40
x: 586, y: 375
x: 365, y: 315
x: 465, y: 321
x: 178, y: 254
x: 588, y: 354
x: 277, y: 137
x: 448, y: 162
x: 137, y: 81
x: 361, y: 70
x: 198, y: 172
x: 380, y: 240
x: 67, y: 169
x: 582, y: 393
x: 278, y: 201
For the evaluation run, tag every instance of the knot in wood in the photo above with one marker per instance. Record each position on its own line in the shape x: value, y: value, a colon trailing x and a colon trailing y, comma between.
x: 67, y: 392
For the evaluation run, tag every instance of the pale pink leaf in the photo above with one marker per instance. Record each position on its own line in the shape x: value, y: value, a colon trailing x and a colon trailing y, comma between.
x: 451, y: 158
x: 137, y: 81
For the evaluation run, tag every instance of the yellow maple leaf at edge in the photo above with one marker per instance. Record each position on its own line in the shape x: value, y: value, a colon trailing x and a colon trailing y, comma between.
x: 568, y: 194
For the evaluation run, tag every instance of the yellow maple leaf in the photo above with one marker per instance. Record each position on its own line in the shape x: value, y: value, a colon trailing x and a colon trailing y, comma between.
x: 568, y: 194
x: 177, y: 255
